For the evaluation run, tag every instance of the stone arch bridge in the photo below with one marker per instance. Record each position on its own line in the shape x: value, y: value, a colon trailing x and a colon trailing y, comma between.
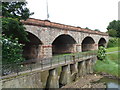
x: 49, y: 38
x: 45, y: 40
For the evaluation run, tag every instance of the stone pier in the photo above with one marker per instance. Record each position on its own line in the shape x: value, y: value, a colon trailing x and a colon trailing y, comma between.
x: 74, y: 71
x: 65, y: 77
x: 81, y: 69
x: 52, y: 81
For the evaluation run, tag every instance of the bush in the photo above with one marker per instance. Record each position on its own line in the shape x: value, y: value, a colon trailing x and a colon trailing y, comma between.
x: 11, y: 51
x: 101, y: 53
x: 113, y: 42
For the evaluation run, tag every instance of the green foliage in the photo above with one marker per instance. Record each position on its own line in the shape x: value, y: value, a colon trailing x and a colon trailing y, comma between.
x: 97, y: 30
x: 110, y: 65
x: 114, y: 26
x: 101, y: 53
x: 113, y: 42
x: 11, y: 51
x: 15, y: 10
x: 107, y: 66
x: 12, y: 13
x: 12, y: 27
x: 86, y: 28
x: 112, y: 33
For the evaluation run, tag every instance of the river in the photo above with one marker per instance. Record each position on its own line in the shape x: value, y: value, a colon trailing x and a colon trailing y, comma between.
x: 111, y: 83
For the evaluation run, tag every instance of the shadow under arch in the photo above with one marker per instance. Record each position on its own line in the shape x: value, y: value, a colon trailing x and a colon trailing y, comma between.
x: 63, y: 44
x: 32, y: 48
x: 102, y: 42
x: 87, y: 44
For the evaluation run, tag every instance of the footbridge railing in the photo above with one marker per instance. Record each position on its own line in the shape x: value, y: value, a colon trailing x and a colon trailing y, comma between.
x: 46, y: 63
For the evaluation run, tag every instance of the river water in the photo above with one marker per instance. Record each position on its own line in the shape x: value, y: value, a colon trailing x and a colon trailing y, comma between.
x: 111, y: 83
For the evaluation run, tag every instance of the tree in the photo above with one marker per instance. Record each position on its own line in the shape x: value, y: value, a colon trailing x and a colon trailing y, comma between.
x: 112, y: 33
x: 15, y: 10
x: 12, y: 13
x: 12, y: 27
x: 13, y: 30
x: 86, y: 28
x: 97, y: 30
x: 114, y: 26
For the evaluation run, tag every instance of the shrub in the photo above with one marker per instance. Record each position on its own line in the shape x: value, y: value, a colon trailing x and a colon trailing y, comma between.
x: 113, y: 42
x: 101, y: 53
x: 11, y: 51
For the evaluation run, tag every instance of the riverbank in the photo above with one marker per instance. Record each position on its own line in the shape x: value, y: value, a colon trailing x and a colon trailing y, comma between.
x: 110, y: 66
x: 87, y: 82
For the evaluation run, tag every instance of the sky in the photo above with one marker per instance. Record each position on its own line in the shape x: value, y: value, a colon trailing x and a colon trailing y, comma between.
x: 94, y: 14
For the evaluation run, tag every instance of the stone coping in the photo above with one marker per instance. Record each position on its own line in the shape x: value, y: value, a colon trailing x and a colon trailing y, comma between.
x: 47, y: 23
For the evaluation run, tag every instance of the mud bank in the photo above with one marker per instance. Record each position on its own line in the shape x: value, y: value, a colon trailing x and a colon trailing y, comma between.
x: 87, y: 82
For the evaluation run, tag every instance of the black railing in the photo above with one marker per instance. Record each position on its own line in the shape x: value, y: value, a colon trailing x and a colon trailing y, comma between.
x: 45, y: 63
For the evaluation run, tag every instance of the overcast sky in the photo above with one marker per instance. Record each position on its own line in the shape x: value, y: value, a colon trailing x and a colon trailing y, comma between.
x: 94, y: 14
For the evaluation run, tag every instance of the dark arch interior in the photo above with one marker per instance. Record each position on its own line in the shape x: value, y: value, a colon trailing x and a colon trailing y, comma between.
x: 63, y: 44
x: 88, y: 44
x: 31, y: 49
x: 102, y: 42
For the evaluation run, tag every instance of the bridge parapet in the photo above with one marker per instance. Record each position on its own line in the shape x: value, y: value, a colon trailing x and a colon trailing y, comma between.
x: 46, y: 23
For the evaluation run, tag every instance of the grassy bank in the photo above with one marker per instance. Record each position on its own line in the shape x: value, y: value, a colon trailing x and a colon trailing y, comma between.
x: 112, y: 49
x: 110, y: 64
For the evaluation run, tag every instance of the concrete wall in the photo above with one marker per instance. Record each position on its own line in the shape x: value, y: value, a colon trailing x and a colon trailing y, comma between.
x: 51, y: 78
x: 27, y: 80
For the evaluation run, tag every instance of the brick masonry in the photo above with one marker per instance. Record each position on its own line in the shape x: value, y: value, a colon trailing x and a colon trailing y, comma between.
x: 47, y: 32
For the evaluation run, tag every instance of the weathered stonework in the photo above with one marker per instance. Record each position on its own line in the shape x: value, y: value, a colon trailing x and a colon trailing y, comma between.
x: 47, y: 32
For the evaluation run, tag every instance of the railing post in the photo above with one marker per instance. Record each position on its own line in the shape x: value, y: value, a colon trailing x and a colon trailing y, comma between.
x: 31, y: 67
x: 73, y: 58
x: 65, y: 59
x: 58, y: 60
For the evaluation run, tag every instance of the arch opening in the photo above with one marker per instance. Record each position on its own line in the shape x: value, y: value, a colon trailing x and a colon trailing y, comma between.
x: 32, y: 48
x: 102, y: 42
x: 63, y: 44
x: 88, y: 44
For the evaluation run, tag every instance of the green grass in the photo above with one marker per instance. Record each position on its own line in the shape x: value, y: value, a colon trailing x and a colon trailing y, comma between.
x: 110, y: 64
x: 112, y: 49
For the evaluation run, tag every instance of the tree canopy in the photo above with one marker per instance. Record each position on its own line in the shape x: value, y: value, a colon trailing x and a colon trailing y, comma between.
x: 13, y: 31
x: 15, y: 10
x: 12, y: 13
x: 114, y: 28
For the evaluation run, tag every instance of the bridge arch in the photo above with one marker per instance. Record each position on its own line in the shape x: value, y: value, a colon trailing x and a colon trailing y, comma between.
x: 64, y: 43
x: 32, y: 48
x: 102, y: 42
x: 88, y: 44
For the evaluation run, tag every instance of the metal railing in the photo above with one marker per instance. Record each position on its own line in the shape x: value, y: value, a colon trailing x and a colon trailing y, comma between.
x: 46, y: 63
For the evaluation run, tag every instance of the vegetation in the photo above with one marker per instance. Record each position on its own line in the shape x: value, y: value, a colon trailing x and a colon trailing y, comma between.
x: 15, y: 10
x: 12, y: 27
x: 110, y: 64
x: 112, y: 49
x: 114, y: 28
x: 12, y: 50
x: 113, y: 42
x: 13, y: 30
x: 97, y: 30
x: 12, y: 13
x: 101, y: 53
